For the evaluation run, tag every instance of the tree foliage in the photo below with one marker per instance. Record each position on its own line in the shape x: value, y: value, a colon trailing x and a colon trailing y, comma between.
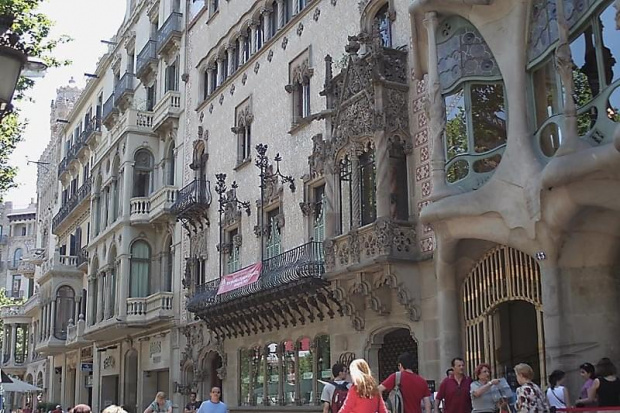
x: 28, y: 30
x: 5, y: 301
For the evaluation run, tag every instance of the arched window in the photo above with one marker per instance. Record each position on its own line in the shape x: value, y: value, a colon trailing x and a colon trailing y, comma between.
x: 273, y: 17
x: 142, y: 173
x: 140, y: 269
x: 65, y: 311
x: 171, y: 165
x: 17, y: 257
x: 383, y: 25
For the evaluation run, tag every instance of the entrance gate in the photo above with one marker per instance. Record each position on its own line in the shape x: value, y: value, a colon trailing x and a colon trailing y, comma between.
x: 502, y: 299
x: 394, y: 344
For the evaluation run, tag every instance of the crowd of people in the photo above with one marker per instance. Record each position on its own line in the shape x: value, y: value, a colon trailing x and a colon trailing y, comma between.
x: 407, y: 392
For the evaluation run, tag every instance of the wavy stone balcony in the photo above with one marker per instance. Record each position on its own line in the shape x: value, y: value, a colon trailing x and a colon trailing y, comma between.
x: 169, y: 35
x: 167, y: 111
x: 382, y: 239
x: 31, y: 306
x: 146, y: 63
x: 110, y: 112
x: 124, y: 90
x: 291, y: 290
x: 153, y: 208
x: 74, y: 203
x: 63, y: 266
x: 75, y: 333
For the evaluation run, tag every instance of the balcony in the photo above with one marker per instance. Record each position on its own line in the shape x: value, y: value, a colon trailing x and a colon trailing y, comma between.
x: 153, y: 208
x: 291, y: 290
x: 74, y: 203
x: 14, y: 365
x: 75, y: 333
x: 92, y: 131
x: 82, y: 259
x: 63, y: 266
x: 31, y: 306
x: 169, y: 35
x: 149, y: 310
x: 13, y: 314
x: 123, y: 91
x: 4, y: 239
x: 50, y: 345
x: 26, y: 268
x: 167, y: 111
x: 193, y: 200
x: 146, y: 64
x: 383, y: 238
x: 110, y: 112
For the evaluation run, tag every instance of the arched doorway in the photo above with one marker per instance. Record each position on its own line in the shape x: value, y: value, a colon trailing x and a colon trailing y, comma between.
x: 211, y: 363
x: 395, y: 343
x: 130, y: 393
x: 502, y: 307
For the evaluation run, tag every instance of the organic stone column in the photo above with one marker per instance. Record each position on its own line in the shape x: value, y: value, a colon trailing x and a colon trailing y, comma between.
x: 100, y: 292
x: 280, y: 14
x: 127, y: 188
x: 231, y: 59
x: 436, y: 114
x: 13, y: 342
x: 210, y: 74
x: 552, y: 312
x: 221, y: 69
x: 4, y: 330
x: 52, y: 317
x: 383, y: 177
x: 242, y: 40
x: 355, y: 191
x: 266, y: 24
x: 253, y: 41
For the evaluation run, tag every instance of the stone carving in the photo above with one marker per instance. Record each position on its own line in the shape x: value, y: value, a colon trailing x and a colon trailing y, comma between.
x: 221, y: 99
x: 244, y: 117
x: 232, y: 211
x: 300, y: 28
x: 270, y: 55
x: 307, y: 208
x: 109, y: 362
x: 256, y: 67
x: 320, y: 154
x: 232, y: 89
x: 211, y: 108
x: 301, y: 73
x: 244, y: 78
x: 316, y: 15
x: 396, y: 112
x: 334, y: 2
x: 284, y: 42
x: 236, y: 240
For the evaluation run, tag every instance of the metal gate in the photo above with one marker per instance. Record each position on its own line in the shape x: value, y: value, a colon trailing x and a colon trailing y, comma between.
x: 394, y: 344
x: 502, y: 275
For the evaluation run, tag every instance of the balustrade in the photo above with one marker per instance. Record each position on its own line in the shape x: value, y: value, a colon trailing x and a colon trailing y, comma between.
x: 140, y: 206
x: 151, y: 307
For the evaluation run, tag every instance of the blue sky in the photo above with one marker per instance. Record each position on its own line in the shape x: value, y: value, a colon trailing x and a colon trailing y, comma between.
x: 87, y: 22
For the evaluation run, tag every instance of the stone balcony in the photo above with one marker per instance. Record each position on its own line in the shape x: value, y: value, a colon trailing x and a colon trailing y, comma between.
x: 50, y: 345
x: 78, y: 202
x: 153, y: 208
x: 167, y: 111
x: 146, y: 63
x: 381, y: 240
x: 169, y: 35
x: 14, y: 314
x: 75, y: 333
x: 31, y: 306
x: 149, y: 310
x: 133, y: 120
x: 61, y: 266
x: 16, y: 365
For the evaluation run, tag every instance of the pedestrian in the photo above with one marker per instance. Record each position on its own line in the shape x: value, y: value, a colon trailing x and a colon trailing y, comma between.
x: 160, y: 404
x: 114, y: 409
x: 484, y: 393
x: 27, y: 409
x: 364, y: 396
x: 530, y: 399
x: 334, y: 393
x: 606, y: 386
x: 81, y: 408
x: 413, y: 387
x: 214, y: 404
x: 557, y: 394
x: 450, y: 372
x: 193, y: 404
x: 454, y: 391
x: 586, y: 371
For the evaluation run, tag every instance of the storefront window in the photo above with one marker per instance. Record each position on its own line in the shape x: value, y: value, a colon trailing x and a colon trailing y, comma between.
x: 245, y: 360
x: 306, y: 378
x: 290, y: 372
x: 273, y: 373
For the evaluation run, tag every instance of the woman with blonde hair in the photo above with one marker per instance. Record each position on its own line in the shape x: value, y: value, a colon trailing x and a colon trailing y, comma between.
x: 160, y: 404
x: 530, y: 399
x: 364, y: 395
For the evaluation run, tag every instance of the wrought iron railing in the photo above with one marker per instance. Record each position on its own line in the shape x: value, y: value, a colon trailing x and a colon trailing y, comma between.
x: 197, y: 192
x: 82, y: 256
x: 74, y: 201
x: 147, y: 55
x: 108, y: 107
x: 124, y: 85
x: 291, y: 267
x: 94, y: 125
x: 172, y: 25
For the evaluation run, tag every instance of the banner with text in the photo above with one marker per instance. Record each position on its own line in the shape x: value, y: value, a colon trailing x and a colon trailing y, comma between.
x: 241, y: 278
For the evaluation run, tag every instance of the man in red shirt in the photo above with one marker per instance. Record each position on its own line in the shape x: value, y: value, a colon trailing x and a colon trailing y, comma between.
x: 455, y: 390
x: 413, y: 388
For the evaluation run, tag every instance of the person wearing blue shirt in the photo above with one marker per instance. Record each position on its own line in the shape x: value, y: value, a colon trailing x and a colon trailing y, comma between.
x: 214, y: 405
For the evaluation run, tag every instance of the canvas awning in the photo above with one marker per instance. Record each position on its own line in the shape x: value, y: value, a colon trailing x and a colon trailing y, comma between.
x: 19, y: 386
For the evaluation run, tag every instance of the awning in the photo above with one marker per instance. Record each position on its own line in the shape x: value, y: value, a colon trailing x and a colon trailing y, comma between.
x: 5, y: 378
x: 19, y: 386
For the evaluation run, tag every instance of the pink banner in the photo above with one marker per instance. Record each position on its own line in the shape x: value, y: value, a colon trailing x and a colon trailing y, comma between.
x: 239, y: 279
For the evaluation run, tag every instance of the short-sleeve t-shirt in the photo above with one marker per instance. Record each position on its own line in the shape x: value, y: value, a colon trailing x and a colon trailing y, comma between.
x: 456, y: 396
x: 328, y: 391
x: 413, y: 388
x: 210, y: 407
x: 193, y: 405
x: 161, y: 409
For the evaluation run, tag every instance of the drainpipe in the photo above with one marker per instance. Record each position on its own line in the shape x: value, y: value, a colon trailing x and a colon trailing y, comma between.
x: 419, y: 6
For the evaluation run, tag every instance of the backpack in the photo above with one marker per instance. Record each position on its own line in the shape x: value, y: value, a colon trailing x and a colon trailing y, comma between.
x: 339, y: 396
x: 394, y: 402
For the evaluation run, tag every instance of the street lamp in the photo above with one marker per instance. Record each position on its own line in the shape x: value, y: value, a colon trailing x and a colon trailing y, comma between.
x: 12, y: 62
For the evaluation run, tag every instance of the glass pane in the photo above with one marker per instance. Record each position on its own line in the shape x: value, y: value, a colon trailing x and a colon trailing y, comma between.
x: 585, y: 74
x: 289, y: 371
x: 257, y: 378
x: 457, y: 171
x: 273, y: 373
x: 586, y: 121
x: 550, y: 139
x: 324, y: 358
x: 488, y: 114
x: 345, y: 196
x: 306, y: 359
x: 487, y: 164
x: 613, y: 105
x: 611, y: 44
x: 245, y: 357
x: 456, y: 125
x: 368, y: 188
x: 546, y: 94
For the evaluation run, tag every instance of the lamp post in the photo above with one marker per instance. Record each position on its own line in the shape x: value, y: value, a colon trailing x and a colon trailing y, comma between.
x: 267, y: 176
x: 13, y: 59
x: 227, y: 202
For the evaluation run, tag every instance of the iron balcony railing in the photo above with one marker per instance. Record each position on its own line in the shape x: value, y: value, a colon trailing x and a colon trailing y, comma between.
x: 82, y: 256
x: 196, y: 193
x: 172, y: 25
x: 74, y: 201
x: 94, y: 125
x: 108, y: 107
x: 124, y: 85
x: 147, y: 55
x: 294, y: 266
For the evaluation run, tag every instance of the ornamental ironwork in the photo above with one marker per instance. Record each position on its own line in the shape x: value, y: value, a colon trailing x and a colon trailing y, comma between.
x: 192, y: 203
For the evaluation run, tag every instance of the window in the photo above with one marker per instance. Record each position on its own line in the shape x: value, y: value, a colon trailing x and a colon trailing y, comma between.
x: 17, y: 255
x: 302, y: 5
x: 383, y: 25
x: 140, y: 271
x: 288, y: 10
x: 367, y: 173
x: 476, y: 123
x: 171, y: 165
x: 143, y: 171
x: 151, y: 95
x: 233, y: 261
x: 299, y: 86
x: 359, y: 171
x: 16, y: 286
x: 65, y: 310
x: 168, y: 266
x: 285, y: 368
x: 214, y: 75
x: 260, y: 32
x: 224, y: 67
x: 172, y: 76
x: 131, y: 58
x: 205, y: 80
x: 214, y: 6
x: 273, y: 19
x: 243, y: 129
x: 110, y: 285
x: 274, y: 235
x: 247, y: 50
x: 319, y: 214
x: 236, y: 55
